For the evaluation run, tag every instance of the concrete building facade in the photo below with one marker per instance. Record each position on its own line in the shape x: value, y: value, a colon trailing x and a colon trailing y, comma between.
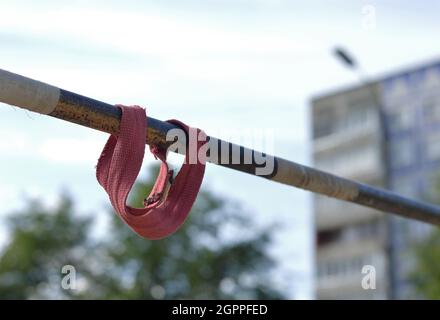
x: 348, y: 135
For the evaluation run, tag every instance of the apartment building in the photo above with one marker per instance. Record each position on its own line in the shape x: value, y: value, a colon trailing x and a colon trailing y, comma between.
x: 386, y: 134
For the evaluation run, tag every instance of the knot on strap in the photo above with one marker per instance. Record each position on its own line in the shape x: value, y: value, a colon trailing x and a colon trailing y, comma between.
x: 171, y: 198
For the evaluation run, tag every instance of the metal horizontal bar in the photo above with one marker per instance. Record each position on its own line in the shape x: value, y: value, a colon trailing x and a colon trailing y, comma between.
x: 36, y: 96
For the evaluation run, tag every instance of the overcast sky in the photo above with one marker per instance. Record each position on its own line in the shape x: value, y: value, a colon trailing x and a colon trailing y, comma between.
x: 220, y: 65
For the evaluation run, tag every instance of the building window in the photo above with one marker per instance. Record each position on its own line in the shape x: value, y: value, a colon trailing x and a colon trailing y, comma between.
x: 328, y: 237
x: 405, y: 185
x: 342, y: 268
x: 431, y: 110
x: 396, y: 88
x: 419, y: 230
x: 353, y: 233
x: 324, y: 123
x: 400, y: 119
x: 359, y: 115
x: 354, y: 159
x: 431, y: 188
x: 432, y: 147
x: 432, y: 78
x: 401, y: 153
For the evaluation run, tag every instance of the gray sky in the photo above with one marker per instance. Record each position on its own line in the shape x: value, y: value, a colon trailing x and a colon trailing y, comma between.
x: 219, y: 65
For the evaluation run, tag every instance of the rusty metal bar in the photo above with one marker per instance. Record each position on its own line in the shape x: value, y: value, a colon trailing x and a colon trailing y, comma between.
x: 43, y: 98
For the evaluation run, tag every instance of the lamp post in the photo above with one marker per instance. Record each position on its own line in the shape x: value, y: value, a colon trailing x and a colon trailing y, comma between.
x: 348, y: 60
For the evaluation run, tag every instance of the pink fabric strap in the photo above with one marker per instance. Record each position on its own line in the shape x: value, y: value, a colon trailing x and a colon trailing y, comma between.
x: 170, y: 200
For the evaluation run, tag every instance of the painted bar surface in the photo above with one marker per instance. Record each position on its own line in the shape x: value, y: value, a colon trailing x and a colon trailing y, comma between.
x: 72, y: 107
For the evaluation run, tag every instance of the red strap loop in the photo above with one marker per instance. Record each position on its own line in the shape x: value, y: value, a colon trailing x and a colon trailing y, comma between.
x: 170, y: 200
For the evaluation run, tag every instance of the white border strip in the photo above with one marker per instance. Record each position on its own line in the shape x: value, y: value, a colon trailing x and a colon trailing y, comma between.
x: 27, y: 93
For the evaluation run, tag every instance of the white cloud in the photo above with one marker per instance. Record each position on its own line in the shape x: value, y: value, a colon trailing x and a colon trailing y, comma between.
x: 70, y: 150
x: 13, y: 142
x: 148, y: 33
x: 7, y: 194
x: 61, y: 150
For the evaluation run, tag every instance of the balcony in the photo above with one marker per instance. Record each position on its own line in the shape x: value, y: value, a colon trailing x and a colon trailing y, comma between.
x: 340, y: 268
x: 360, y: 161
x: 332, y: 213
x: 350, y: 288
x: 367, y: 131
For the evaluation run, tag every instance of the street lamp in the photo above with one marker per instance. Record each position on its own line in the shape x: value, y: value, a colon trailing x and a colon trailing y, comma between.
x: 348, y: 60
x: 345, y: 57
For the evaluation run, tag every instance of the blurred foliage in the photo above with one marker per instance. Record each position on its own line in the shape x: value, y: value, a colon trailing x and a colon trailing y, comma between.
x: 217, y: 254
x: 426, y: 274
x: 42, y: 241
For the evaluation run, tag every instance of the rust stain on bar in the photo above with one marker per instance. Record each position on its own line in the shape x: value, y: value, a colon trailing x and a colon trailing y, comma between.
x: 85, y: 117
x: 77, y: 109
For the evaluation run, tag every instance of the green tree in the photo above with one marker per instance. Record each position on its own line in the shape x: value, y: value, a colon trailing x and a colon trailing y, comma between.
x: 199, y: 261
x: 426, y: 274
x: 218, y: 253
x: 42, y: 242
